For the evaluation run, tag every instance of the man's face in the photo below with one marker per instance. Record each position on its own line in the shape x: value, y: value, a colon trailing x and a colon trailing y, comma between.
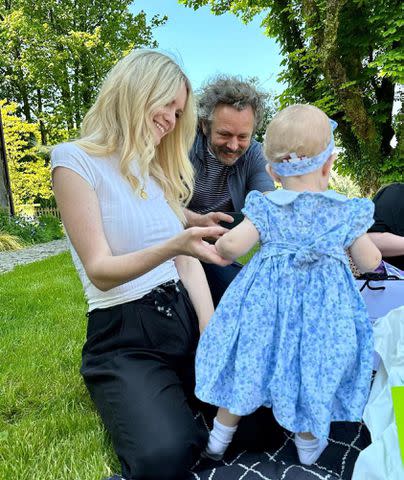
x: 230, y: 133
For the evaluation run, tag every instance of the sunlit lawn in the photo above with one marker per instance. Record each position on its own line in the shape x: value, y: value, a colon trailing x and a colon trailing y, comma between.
x: 48, y: 426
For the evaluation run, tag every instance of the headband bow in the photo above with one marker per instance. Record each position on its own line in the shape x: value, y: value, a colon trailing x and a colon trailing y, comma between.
x: 301, y: 165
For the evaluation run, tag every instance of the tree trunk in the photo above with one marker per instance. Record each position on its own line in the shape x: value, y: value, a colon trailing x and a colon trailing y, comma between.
x: 42, y: 127
x: 4, y: 200
x: 5, y: 191
x: 351, y: 100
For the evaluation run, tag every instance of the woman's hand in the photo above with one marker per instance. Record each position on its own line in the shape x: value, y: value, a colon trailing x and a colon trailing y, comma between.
x: 191, y: 242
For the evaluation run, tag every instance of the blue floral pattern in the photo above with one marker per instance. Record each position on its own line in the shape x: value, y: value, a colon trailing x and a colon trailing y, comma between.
x: 292, y: 332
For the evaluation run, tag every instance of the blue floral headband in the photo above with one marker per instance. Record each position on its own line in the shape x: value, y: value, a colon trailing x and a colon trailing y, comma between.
x: 295, y: 165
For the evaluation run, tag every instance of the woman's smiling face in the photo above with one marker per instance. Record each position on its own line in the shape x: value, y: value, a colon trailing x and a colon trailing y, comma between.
x: 165, y: 117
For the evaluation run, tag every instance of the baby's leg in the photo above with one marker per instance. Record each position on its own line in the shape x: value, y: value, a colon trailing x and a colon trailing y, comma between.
x: 224, y: 426
x: 309, y: 448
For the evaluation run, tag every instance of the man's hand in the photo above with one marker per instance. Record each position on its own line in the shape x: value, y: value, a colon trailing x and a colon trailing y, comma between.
x: 210, y: 219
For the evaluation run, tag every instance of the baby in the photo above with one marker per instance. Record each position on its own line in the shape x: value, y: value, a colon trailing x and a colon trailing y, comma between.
x: 292, y: 332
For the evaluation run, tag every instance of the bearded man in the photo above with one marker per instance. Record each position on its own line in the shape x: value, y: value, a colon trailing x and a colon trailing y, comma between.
x: 228, y: 162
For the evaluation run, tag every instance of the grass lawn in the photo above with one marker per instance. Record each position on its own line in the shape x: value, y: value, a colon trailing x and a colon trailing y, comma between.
x: 48, y: 426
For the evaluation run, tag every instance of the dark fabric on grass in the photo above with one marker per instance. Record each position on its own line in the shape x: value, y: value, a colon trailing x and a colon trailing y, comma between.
x: 138, y: 365
x: 264, y: 451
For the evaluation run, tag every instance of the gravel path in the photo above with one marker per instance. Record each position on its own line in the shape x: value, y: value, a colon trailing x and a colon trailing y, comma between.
x: 8, y: 260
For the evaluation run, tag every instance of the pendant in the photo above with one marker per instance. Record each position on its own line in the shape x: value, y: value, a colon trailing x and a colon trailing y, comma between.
x: 143, y: 194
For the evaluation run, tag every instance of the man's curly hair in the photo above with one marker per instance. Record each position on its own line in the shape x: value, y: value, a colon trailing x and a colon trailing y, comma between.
x: 232, y: 91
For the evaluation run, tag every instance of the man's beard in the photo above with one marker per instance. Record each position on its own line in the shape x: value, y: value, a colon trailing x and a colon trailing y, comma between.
x: 219, y: 151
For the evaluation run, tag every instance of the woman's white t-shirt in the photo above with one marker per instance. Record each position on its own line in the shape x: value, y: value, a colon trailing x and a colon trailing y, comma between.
x: 130, y: 223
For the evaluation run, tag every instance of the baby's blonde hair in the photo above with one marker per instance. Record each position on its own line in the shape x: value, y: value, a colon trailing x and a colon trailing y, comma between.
x: 301, y: 128
x: 121, y: 121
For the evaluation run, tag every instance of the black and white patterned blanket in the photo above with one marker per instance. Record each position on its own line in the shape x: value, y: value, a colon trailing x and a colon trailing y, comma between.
x: 264, y: 451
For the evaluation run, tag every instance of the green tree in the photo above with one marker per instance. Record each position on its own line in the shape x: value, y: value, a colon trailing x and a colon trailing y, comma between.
x: 271, y: 106
x: 347, y: 58
x: 28, y: 166
x: 54, y: 54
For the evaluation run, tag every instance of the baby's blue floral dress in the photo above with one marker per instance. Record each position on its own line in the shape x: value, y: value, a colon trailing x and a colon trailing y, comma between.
x: 292, y: 332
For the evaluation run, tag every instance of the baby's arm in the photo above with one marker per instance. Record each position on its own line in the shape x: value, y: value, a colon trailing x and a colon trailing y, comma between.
x: 238, y: 241
x: 365, y: 254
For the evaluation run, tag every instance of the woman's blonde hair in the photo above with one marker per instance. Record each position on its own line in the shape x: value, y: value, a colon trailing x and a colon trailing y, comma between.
x: 121, y: 121
x: 301, y: 128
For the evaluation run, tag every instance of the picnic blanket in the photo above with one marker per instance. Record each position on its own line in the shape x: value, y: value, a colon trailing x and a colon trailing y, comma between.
x: 264, y: 451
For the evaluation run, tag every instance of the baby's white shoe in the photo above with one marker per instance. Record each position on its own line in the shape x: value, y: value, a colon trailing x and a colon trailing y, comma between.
x: 309, y: 451
x: 220, y: 438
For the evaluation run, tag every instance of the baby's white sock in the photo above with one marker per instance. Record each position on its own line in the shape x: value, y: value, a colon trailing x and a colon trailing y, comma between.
x: 309, y: 450
x: 219, y: 439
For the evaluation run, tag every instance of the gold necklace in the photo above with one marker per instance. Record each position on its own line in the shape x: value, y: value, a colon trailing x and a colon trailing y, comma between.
x: 143, y: 193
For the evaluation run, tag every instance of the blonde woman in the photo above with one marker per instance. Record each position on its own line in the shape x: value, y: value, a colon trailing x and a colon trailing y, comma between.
x: 121, y: 188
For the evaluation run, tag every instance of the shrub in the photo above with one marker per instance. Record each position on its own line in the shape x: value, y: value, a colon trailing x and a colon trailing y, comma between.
x: 344, y: 184
x: 23, y: 227
x: 31, y: 229
x: 9, y: 242
x: 50, y: 228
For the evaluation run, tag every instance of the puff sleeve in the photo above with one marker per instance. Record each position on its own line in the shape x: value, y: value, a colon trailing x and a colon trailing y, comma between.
x: 255, y: 209
x: 360, y: 218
